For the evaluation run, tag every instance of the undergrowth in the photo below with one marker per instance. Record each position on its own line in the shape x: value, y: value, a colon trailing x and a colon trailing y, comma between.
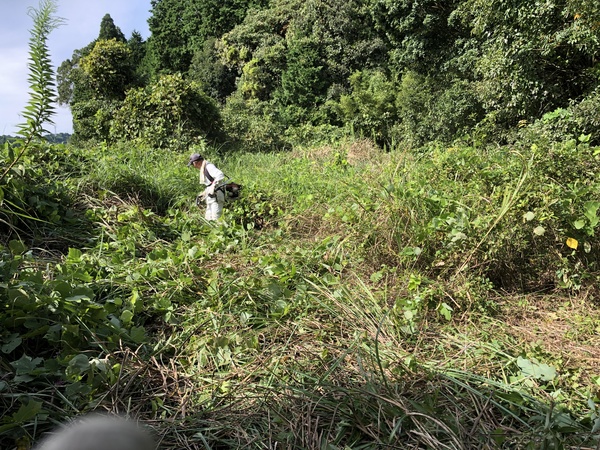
x: 351, y: 298
x: 329, y: 308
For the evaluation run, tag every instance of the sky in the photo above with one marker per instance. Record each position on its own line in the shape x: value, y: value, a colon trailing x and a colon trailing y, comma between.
x: 81, y: 25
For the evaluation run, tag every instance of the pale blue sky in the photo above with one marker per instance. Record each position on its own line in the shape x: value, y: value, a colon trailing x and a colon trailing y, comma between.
x: 81, y: 26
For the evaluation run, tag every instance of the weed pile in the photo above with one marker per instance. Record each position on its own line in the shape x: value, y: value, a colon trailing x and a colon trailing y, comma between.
x: 351, y: 298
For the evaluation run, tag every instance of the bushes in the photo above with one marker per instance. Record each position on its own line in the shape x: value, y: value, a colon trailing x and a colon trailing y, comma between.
x: 170, y: 113
x: 251, y: 125
x: 512, y: 216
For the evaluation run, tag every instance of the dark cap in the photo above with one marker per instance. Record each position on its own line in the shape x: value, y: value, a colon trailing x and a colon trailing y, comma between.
x: 195, y: 157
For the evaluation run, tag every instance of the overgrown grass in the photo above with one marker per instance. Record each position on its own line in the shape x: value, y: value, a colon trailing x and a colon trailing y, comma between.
x: 352, y: 298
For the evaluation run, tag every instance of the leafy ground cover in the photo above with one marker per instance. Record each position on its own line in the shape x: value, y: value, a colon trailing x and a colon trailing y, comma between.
x: 352, y: 298
x: 439, y: 297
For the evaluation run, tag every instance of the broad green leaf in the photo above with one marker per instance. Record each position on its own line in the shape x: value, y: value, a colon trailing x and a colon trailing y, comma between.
x: 74, y: 255
x: 19, y: 298
x: 26, y: 364
x: 78, y: 364
x: 77, y: 298
x: 13, y: 342
x: 17, y: 247
x: 63, y: 288
x: 445, y: 310
x: 138, y: 334
x: 27, y: 411
x: 533, y: 369
x: 126, y: 316
x: 591, y: 208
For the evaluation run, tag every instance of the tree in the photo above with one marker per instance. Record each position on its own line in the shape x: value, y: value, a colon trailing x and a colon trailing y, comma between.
x: 345, y: 34
x: 108, y: 30
x: 300, y: 52
x: 71, y: 83
x: 180, y: 28
x: 168, y: 42
x: 94, y: 80
x: 216, y: 79
x: 534, y: 57
x: 302, y: 83
x: 370, y: 107
x: 171, y: 112
x: 420, y: 35
x: 109, y: 69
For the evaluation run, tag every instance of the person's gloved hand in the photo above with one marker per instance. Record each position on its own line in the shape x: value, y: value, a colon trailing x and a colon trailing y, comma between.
x: 210, y: 190
x: 200, y: 199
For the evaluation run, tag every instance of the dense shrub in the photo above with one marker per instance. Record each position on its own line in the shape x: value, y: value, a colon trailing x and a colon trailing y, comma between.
x: 172, y: 112
x: 252, y: 125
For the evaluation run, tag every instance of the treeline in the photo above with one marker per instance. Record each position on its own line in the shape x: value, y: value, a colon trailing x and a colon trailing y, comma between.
x: 54, y: 138
x: 270, y: 73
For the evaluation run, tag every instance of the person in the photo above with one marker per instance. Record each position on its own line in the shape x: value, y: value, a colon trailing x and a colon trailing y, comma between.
x: 99, y: 432
x: 210, y: 176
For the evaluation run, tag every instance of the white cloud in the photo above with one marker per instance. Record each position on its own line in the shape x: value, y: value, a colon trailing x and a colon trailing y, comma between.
x: 81, y: 26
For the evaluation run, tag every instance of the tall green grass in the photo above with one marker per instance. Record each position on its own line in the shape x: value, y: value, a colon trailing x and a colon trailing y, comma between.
x: 329, y: 307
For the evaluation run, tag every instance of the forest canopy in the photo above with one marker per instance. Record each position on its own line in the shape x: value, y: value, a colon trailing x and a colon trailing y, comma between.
x: 389, y: 70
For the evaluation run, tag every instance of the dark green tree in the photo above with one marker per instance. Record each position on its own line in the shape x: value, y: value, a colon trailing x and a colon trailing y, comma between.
x: 346, y: 37
x: 180, y: 28
x: 303, y: 86
x: 420, y: 35
x: 71, y: 82
x: 216, y: 79
x: 534, y: 57
x: 168, y: 42
x: 370, y: 106
x: 139, y: 58
x: 94, y: 80
x: 108, y: 30
x: 171, y: 112
x: 300, y: 53
x: 109, y: 69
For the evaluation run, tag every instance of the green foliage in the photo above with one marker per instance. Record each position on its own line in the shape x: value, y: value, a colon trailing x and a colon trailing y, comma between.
x: 313, y: 279
x: 109, y: 31
x: 420, y: 35
x: 217, y: 80
x: 370, y: 108
x: 40, y: 109
x: 95, y: 79
x: 21, y: 196
x: 172, y: 112
x: 180, y: 29
x: 299, y: 54
x: 534, y: 57
x: 251, y: 125
x: 301, y: 82
x: 109, y: 69
x: 92, y: 119
x: 429, y: 110
x: 349, y: 284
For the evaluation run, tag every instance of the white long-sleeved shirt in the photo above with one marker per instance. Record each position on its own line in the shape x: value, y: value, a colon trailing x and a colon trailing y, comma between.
x: 213, y: 171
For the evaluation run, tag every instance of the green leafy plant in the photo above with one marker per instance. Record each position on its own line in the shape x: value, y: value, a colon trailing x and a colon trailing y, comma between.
x: 38, y: 112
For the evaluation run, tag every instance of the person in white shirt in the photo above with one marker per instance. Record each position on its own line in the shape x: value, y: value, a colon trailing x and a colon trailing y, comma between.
x: 210, y: 176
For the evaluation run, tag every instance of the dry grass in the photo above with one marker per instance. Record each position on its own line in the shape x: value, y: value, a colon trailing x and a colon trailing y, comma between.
x: 358, y: 152
x: 565, y: 327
